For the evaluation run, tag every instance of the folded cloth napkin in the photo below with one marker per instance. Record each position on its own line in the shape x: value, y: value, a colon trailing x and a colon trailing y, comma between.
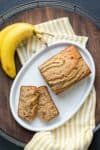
x: 75, y: 134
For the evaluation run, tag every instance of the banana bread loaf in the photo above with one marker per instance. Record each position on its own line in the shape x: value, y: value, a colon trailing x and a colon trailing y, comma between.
x: 64, y: 69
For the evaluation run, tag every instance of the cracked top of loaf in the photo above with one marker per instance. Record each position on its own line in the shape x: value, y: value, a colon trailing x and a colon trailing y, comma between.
x: 64, y: 69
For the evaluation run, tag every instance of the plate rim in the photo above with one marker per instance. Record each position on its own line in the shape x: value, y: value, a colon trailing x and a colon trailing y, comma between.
x: 86, y: 51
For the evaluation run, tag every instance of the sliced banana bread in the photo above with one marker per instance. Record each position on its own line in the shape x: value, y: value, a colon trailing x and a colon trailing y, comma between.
x: 47, y: 110
x: 28, y: 102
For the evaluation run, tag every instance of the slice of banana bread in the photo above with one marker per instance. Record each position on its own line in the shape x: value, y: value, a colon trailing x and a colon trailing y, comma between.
x: 28, y: 102
x: 64, y: 69
x: 47, y: 110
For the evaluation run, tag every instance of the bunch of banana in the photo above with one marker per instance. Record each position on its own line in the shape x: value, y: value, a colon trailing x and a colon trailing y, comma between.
x: 10, y: 37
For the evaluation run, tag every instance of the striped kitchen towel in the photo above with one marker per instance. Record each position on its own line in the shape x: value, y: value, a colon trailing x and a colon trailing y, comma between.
x: 75, y: 134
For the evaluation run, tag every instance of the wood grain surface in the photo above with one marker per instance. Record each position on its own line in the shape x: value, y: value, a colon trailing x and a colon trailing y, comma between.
x: 81, y: 26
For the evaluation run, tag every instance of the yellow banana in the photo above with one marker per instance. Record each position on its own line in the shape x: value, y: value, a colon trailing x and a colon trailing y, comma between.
x: 5, y: 31
x: 10, y: 43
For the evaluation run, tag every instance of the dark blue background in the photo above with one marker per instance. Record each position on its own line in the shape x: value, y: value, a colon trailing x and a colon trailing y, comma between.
x: 5, y: 145
x: 89, y: 8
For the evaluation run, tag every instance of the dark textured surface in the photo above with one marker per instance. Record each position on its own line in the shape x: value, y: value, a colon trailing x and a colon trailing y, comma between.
x: 81, y: 26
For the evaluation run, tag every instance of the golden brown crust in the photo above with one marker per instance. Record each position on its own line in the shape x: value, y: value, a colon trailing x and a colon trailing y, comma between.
x: 28, y: 102
x: 64, y: 69
x: 47, y: 110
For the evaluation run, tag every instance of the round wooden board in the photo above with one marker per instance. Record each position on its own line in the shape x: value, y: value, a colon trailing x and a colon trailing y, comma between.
x: 81, y: 26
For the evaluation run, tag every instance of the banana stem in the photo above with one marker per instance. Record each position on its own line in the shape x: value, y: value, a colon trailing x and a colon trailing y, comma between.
x: 45, y: 33
x: 38, y: 35
x: 41, y: 39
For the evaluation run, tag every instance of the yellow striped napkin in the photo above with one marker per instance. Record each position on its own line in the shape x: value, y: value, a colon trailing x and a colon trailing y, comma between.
x: 75, y: 134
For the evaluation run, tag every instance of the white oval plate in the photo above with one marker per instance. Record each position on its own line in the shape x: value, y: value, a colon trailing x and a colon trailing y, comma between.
x: 68, y: 103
